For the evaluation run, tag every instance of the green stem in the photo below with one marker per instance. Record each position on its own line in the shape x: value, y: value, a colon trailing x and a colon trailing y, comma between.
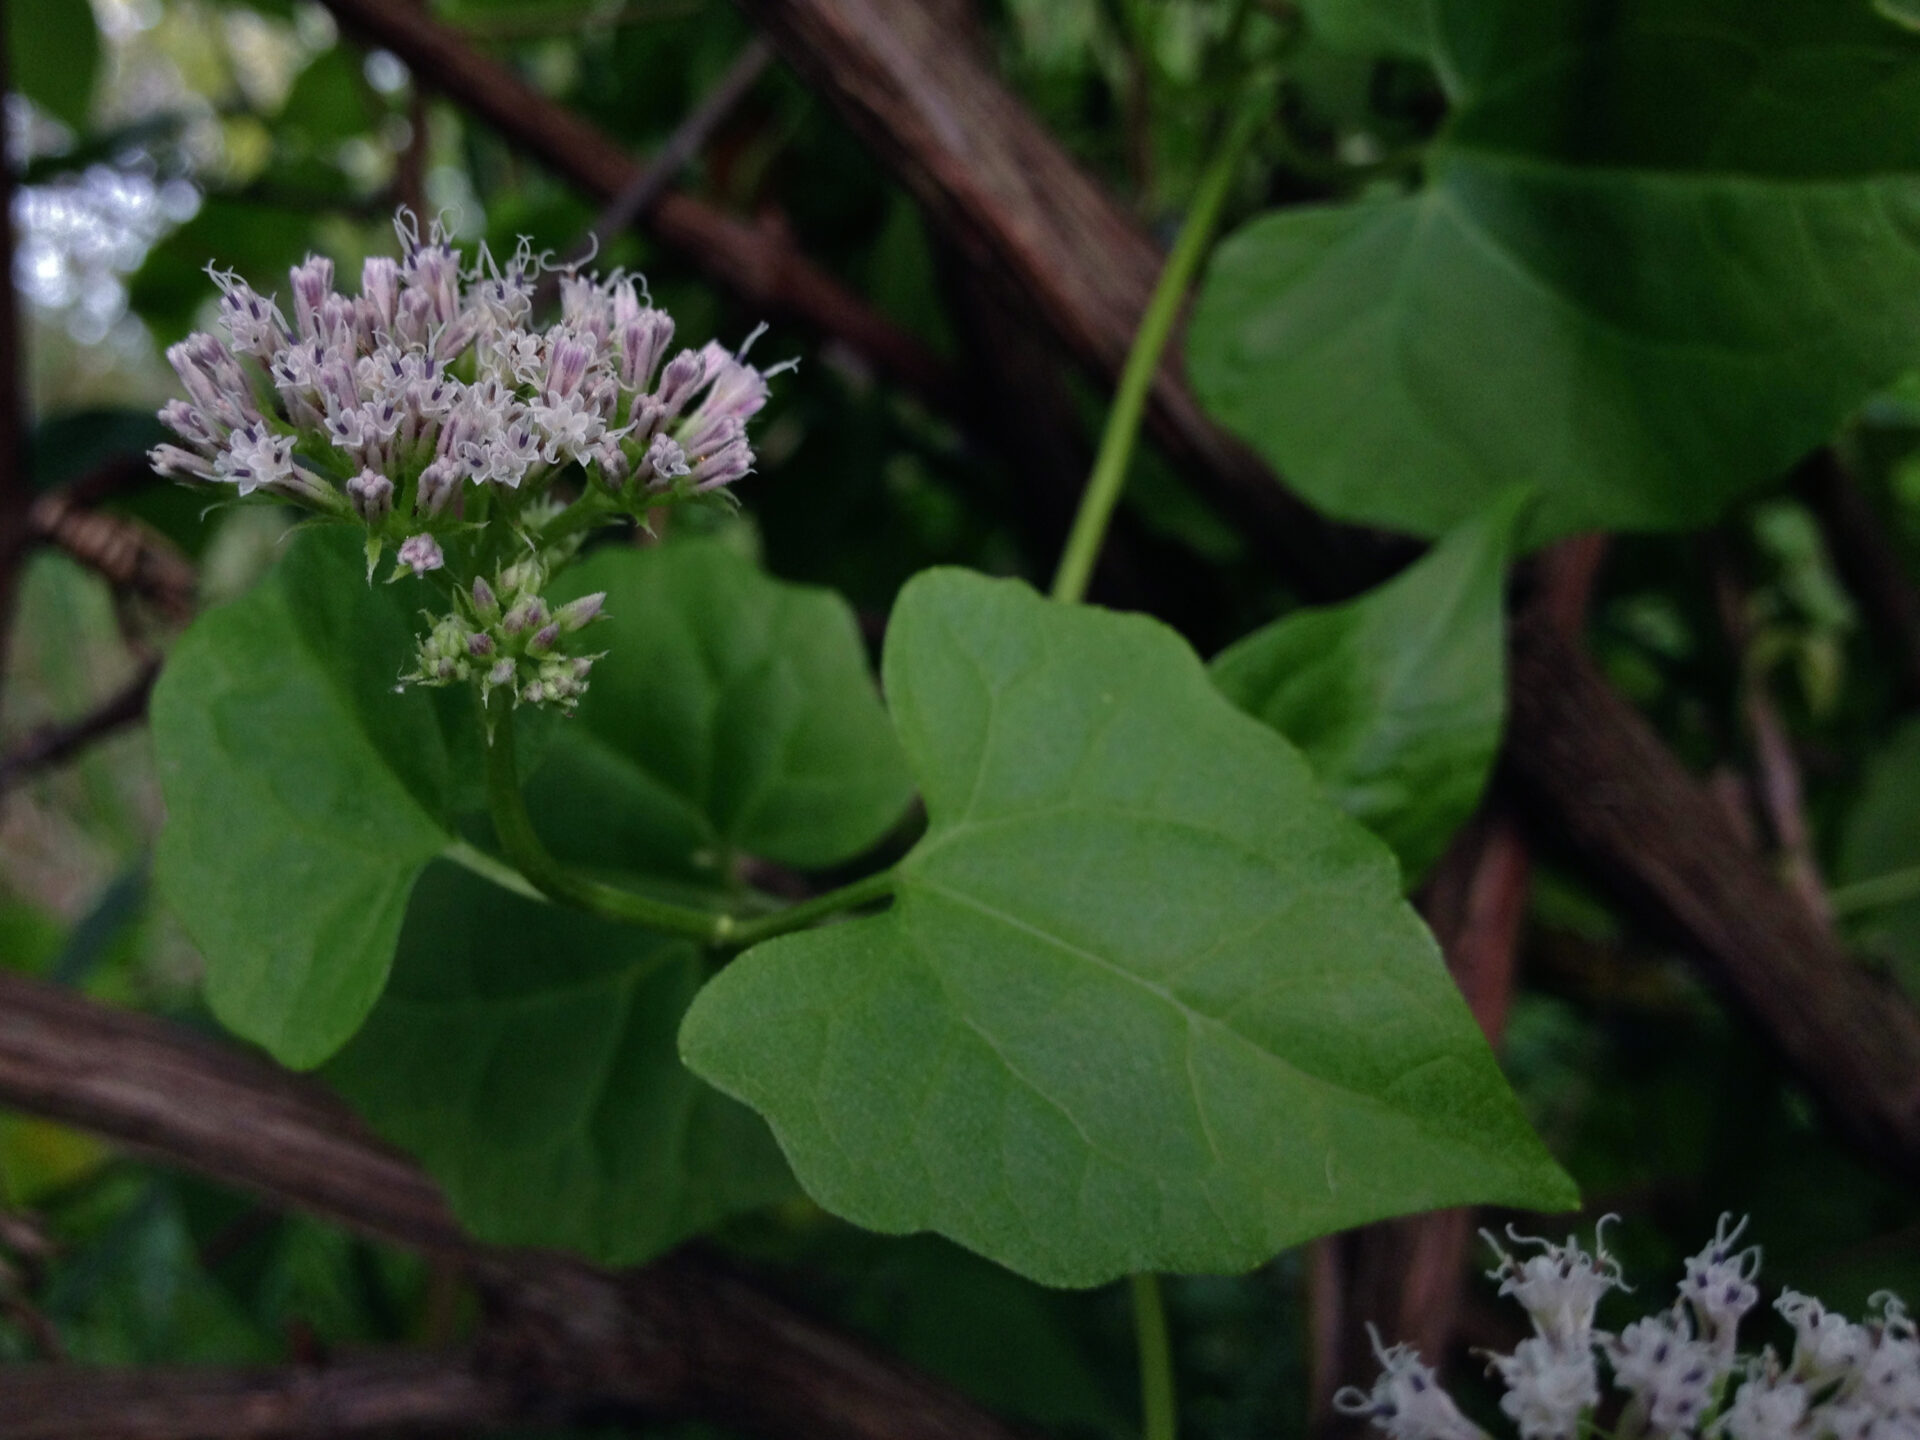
x: 1143, y: 360
x: 488, y: 868
x: 1893, y: 888
x: 1158, y: 1420
x: 738, y: 934
x: 534, y: 871
x: 524, y: 849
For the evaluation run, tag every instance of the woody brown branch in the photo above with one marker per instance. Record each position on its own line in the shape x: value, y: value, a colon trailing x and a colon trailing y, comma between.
x: 758, y: 265
x: 685, y: 1336
x: 377, y: 1395
x: 1595, y: 772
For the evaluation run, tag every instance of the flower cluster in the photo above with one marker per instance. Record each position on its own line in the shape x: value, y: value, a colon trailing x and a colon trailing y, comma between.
x: 1844, y: 1380
x: 430, y: 409
x: 506, y: 636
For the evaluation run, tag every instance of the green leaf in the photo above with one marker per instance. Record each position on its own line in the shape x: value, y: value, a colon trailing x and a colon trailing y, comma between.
x: 1371, y: 27
x: 304, y: 795
x: 1662, y: 248
x: 1144, y: 1001
x: 732, y: 713
x: 1395, y: 698
x: 330, y: 102
x: 53, y: 53
x: 525, y: 1054
x: 1880, y: 848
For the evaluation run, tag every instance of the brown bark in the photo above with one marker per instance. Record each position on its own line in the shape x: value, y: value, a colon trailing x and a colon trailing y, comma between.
x: 1601, y: 781
x: 999, y: 187
x: 359, y: 1397
x: 685, y: 1336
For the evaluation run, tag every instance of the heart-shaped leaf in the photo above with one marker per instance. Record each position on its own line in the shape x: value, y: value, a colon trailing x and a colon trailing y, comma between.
x: 1662, y: 248
x: 732, y: 713
x: 1395, y: 698
x: 304, y: 795
x: 526, y: 1055
x: 1145, y: 999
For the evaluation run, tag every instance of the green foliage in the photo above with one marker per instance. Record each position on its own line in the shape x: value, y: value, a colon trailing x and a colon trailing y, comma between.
x: 1881, y: 844
x: 1114, y: 1021
x: 1372, y: 27
x: 1396, y: 699
x: 732, y: 714
x: 53, y: 55
x: 304, y: 795
x: 1660, y: 250
x: 526, y: 1055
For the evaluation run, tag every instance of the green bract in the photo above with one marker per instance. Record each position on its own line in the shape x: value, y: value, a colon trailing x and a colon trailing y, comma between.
x: 1395, y: 698
x: 1145, y: 999
x: 526, y: 1054
x: 1661, y: 248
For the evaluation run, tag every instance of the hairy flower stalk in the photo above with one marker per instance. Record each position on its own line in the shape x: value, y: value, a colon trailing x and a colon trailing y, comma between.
x: 475, y: 445
x: 1844, y: 1381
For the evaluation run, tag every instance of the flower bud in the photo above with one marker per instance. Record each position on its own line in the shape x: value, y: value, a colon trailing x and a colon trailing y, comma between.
x: 528, y: 614
x: 421, y: 553
x: 578, y: 614
x: 480, y: 645
x: 485, y: 605
x: 543, y: 641
x: 372, y: 497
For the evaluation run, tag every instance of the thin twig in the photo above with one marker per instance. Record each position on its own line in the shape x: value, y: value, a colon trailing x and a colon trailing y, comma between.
x: 757, y: 264
x: 1776, y: 769
x: 52, y: 745
x: 129, y: 555
x: 1857, y: 539
x: 644, y: 191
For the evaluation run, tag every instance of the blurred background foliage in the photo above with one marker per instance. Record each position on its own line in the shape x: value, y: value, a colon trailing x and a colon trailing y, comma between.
x: 152, y: 135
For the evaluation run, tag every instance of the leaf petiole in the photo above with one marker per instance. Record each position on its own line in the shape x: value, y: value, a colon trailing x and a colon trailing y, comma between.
x: 534, y: 868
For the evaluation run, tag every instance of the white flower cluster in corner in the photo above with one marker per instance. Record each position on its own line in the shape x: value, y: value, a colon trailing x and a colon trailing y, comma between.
x: 431, y: 410
x: 1844, y: 1380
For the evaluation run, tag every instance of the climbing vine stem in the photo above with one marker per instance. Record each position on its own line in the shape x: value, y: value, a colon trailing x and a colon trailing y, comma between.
x: 1149, y: 342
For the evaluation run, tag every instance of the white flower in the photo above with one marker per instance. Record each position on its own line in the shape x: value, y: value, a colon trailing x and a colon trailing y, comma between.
x: 1407, y: 1401
x: 1560, y: 1288
x: 1767, y: 1406
x: 1670, y: 1374
x: 1719, y: 1287
x: 1548, y: 1388
x: 255, y: 458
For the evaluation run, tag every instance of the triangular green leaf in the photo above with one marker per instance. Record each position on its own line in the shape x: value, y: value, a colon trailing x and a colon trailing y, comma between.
x: 1395, y: 698
x: 1144, y: 1001
x: 304, y: 795
x: 525, y: 1054
x: 1662, y: 248
x: 732, y: 713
